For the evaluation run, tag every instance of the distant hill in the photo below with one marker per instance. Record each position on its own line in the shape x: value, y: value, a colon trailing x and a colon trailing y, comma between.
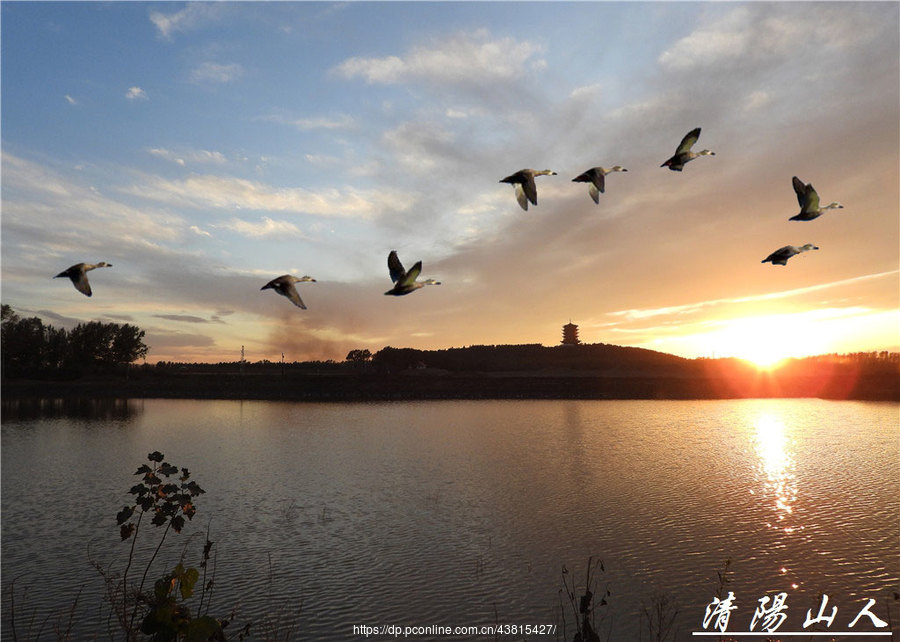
x: 597, y: 358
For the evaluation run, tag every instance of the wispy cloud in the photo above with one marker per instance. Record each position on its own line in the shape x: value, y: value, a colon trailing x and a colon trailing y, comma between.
x: 200, y: 156
x: 191, y: 17
x: 337, y: 121
x: 694, y: 307
x: 204, y: 191
x: 136, y: 93
x: 463, y: 58
x: 266, y: 227
x: 70, y: 100
x: 212, y: 72
x: 749, y: 34
x: 186, y: 318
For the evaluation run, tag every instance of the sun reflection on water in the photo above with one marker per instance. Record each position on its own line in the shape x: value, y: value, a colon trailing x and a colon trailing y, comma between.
x: 777, y: 468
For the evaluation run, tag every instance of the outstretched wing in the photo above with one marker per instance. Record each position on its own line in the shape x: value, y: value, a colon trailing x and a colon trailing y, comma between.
x: 594, y: 192
x: 520, y: 196
x: 290, y: 291
x: 530, y: 190
x: 395, y: 267
x: 800, y: 190
x: 688, y: 141
x: 80, y: 281
x: 412, y: 275
x: 812, y: 199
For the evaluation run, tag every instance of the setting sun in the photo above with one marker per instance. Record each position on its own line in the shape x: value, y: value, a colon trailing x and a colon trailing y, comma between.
x: 768, y: 340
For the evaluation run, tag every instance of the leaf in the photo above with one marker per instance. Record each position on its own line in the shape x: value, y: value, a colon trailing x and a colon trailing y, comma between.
x: 159, y: 519
x: 156, y: 456
x: 146, y: 503
x: 177, y: 523
x: 168, y: 469
x: 124, y: 515
x: 143, y: 470
x: 126, y: 531
x: 138, y: 489
x: 194, y: 489
x: 188, y: 581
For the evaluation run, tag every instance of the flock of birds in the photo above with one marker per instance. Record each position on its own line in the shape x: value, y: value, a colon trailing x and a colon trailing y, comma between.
x: 406, y: 281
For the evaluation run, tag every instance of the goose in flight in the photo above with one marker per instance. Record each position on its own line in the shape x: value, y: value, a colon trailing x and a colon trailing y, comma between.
x: 782, y: 254
x: 596, y: 176
x: 284, y: 285
x: 523, y: 180
x: 405, y: 282
x: 684, y: 154
x: 809, y: 202
x: 78, y: 274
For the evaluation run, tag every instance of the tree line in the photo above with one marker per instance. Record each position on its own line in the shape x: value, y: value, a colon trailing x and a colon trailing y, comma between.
x: 29, y: 348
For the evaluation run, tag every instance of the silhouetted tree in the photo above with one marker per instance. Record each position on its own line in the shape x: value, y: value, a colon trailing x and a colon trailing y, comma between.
x: 29, y: 348
x: 359, y: 356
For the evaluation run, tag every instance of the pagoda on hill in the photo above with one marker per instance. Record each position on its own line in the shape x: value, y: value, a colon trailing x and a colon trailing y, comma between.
x: 570, y: 335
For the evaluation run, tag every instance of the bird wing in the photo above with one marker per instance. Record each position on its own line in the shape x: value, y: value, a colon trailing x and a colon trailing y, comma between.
x: 812, y: 199
x: 594, y: 192
x: 800, y: 189
x: 290, y: 291
x: 521, y: 197
x: 586, y: 176
x: 529, y: 188
x: 600, y: 182
x: 80, y: 281
x: 688, y: 141
x: 412, y: 275
x: 395, y: 267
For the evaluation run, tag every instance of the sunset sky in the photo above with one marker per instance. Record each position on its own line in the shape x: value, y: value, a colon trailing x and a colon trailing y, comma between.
x: 204, y: 149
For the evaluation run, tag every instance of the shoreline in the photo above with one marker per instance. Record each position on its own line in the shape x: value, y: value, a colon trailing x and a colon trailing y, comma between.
x: 411, y: 386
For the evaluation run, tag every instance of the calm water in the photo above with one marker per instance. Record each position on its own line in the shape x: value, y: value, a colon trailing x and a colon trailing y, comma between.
x: 464, y: 513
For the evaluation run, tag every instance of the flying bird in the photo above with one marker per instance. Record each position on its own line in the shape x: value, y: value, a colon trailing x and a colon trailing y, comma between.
x: 782, y: 254
x: 684, y: 154
x: 523, y: 180
x: 809, y: 202
x: 405, y: 282
x: 78, y: 274
x: 284, y: 285
x: 596, y: 176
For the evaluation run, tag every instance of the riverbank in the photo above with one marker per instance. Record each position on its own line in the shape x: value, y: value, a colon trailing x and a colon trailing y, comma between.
x: 416, y: 385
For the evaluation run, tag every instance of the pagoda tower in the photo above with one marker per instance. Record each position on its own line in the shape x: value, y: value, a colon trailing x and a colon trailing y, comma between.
x: 570, y: 335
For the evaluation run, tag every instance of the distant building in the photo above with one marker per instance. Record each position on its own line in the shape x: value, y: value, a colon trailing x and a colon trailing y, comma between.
x: 570, y: 335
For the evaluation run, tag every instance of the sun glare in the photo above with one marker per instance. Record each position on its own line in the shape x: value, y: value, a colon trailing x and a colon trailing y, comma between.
x: 767, y: 341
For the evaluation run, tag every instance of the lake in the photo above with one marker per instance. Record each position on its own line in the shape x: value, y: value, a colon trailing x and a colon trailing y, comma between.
x: 327, y: 516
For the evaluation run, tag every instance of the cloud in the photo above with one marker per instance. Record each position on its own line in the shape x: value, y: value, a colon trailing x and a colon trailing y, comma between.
x: 211, y: 72
x: 265, y: 228
x: 204, y: 191
x: 196, y: 230
x: 783, y: 294
x: 464, y: 58
x: 70, y: 100
x: 184, y: 317
x: 750, y: 34
x: 136, y: 93
x: 200, y: 156
x: 338, y: 121
x: 191, y: 17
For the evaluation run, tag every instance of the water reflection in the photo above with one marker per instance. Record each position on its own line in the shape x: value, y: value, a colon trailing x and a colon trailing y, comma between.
x: 119, y: 410
x: 776, y: 465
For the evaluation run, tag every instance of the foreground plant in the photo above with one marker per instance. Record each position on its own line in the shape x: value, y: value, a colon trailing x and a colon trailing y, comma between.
x: 167, y: 495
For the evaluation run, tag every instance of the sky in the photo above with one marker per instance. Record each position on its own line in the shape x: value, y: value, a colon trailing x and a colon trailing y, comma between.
x: 206, y: 148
